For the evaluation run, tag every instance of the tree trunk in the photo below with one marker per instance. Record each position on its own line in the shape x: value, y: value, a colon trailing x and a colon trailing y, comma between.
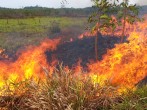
x: 7, y: 21
x: 123, y: 31
x: 18, y: 21
x: 96, y: 47
x: 124, y: 23
x: 39, y: 21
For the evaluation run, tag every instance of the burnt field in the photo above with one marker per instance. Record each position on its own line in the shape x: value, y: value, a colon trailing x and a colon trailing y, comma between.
x: 69, y: 53
x: 51, y: 64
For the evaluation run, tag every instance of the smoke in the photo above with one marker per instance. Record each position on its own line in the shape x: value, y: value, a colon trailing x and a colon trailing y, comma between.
x: 142, y: 2
x: 138, y: 2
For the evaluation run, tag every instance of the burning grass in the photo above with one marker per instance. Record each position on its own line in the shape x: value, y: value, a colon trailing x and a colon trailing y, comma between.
x: 32, y: 82
x: 67, y: 91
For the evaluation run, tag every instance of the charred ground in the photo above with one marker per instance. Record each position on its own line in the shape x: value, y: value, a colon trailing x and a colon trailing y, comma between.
x: 69, y: 53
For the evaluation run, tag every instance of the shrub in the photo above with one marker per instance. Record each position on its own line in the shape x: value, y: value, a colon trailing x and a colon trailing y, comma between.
x: 55, y: 28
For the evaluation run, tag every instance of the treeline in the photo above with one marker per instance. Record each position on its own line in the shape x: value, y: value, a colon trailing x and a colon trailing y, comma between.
x: 42, y: 11
x: 143, y: 9
x: 36, y: 11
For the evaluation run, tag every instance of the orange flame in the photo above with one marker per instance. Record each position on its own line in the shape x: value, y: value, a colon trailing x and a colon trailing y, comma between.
x: 29, y: 64
x: 125, y: 65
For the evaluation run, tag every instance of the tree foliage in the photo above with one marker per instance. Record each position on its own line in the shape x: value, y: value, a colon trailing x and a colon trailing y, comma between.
x: 127, y: 13
x: 102, y: 19
x: 36, y: 11
x: 103, y: 16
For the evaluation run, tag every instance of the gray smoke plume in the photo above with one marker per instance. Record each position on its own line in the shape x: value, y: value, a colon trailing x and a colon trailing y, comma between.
x: 142, y: 2
x: 139, y: 2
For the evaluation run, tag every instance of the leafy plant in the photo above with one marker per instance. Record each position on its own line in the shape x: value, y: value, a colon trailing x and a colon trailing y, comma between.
x: 127, y: 14
x: 55, y: 28
x: 102, y: 19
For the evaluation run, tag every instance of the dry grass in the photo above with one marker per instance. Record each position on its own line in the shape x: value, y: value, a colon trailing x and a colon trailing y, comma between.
x: 66, y: 91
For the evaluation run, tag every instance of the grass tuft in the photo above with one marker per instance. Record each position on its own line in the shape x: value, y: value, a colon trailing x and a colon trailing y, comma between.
x: 65, y: 90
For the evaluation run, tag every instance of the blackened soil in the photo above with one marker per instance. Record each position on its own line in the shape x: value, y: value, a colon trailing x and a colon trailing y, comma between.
x: 69, y: 53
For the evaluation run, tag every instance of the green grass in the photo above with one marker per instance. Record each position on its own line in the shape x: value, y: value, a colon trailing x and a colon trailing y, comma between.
x: 17, y: 33
x: 38, y: 24
x: 134, y: 100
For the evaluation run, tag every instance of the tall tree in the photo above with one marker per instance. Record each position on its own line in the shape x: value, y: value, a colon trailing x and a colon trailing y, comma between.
x: 63, y: 3
x: 102, y: 19
x: 127, y: 14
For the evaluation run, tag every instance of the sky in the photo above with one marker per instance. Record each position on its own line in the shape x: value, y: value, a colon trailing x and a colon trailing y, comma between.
x: 54, y: 3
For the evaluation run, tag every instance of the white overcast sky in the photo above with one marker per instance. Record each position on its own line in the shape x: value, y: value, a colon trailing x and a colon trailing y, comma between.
x: 54, y: 3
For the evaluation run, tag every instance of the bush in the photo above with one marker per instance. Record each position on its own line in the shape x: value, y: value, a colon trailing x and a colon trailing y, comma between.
x: 55, y: 28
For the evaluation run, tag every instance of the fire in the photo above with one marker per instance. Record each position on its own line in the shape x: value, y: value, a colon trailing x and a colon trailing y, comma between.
x: 2, y: 55
x: 125, y: 65
x: 87, y: 34
x: 29, y: 64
